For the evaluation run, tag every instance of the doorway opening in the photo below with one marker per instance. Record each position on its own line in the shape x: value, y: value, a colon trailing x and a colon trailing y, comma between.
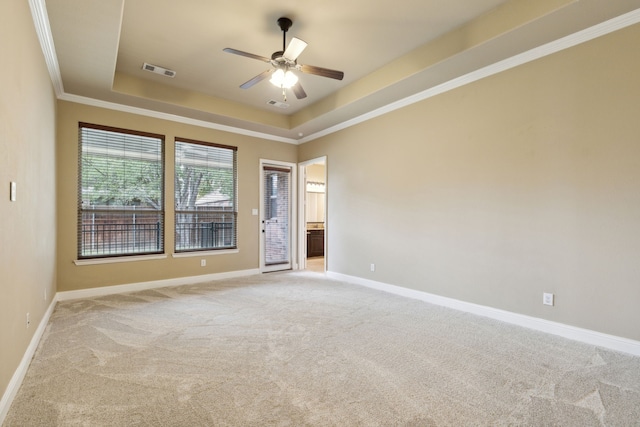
x: 312, y: 245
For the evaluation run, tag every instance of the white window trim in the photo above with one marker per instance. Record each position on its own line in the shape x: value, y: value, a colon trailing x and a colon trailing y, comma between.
x: 117, y: 259
x: 204, y: 253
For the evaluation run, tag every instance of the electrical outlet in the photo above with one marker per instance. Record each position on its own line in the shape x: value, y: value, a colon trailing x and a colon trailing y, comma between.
x: 547, y: 299
x: 203, y: 263
x: 373, y: 267
x: 28, y: 320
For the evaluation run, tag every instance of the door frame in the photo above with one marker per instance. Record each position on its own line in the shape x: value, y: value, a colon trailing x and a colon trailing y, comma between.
x: 302, y: 224
x: 292, y: 215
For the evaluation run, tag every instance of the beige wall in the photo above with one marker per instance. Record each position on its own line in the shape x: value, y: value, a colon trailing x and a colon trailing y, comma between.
x: 27, y: 226
x: 315, y: 172
x: 250, y: 150
x: 522, y: 183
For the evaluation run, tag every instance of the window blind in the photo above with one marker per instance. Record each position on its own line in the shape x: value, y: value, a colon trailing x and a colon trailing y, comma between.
x: 276, y: 214
x: 205, y: 196
x: 120, y: 192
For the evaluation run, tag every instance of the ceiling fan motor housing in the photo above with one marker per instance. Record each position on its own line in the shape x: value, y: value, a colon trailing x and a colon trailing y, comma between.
x: 285, y: 23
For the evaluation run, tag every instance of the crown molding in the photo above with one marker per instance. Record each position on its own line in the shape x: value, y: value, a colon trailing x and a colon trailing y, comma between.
x: 172, y: 117
x: 567, y: 42
x: 43, y: 30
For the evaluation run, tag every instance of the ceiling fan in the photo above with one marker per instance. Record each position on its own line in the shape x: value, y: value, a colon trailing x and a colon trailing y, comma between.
x: 283, y: 62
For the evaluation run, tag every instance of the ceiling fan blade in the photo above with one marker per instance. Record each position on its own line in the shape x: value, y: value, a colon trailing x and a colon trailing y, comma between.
x: 257, y: 79
x: 319, y: 71
x: 295, y: 48
x: 298, y: 91
x: 247, y: 54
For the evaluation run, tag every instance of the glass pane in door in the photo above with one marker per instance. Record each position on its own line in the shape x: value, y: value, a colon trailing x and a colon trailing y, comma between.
x: 277, y: 235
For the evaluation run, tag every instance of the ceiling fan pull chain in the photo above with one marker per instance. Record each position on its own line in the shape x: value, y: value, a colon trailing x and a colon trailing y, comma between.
x: 284, y: 93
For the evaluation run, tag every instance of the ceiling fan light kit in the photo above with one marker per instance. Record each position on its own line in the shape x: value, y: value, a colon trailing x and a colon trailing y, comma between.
x: 284, y: 79
x: 283, y: 62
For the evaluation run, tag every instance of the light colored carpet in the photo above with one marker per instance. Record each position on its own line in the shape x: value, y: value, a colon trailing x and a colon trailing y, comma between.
x: 297, y: 349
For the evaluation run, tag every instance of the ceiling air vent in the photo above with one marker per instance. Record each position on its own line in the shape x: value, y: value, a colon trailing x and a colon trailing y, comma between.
x: 158, y: 70
x: 277, y: 103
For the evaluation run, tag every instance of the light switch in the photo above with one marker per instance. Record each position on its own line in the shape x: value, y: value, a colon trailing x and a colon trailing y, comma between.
x: 12, y: 193
x: 254, y: 211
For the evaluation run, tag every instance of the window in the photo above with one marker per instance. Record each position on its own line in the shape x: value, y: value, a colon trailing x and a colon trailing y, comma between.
x: 272, y: 195
x: 120, y: 209
x: 205, y: 196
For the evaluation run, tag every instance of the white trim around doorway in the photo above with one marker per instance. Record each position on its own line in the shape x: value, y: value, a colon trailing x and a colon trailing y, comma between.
x: 302, y: 224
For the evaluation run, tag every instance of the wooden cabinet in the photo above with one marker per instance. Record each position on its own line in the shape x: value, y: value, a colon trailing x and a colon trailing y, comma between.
x: 315, y: 243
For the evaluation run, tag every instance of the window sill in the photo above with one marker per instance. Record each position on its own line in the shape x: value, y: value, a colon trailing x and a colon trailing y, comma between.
x: 115, y: 260
x: 95, y: 261
x: 205, y: 253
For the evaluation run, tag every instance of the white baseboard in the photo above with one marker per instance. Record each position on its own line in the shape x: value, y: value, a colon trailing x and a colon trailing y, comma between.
x: 21, y: 371
x: 142, y: 286
x: 587, y: 336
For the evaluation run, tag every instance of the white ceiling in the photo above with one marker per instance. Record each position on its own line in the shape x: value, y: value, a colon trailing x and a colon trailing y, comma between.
x: 388, y: 52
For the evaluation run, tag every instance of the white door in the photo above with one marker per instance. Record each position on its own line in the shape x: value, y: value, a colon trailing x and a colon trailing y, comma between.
x: 277, y: 220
